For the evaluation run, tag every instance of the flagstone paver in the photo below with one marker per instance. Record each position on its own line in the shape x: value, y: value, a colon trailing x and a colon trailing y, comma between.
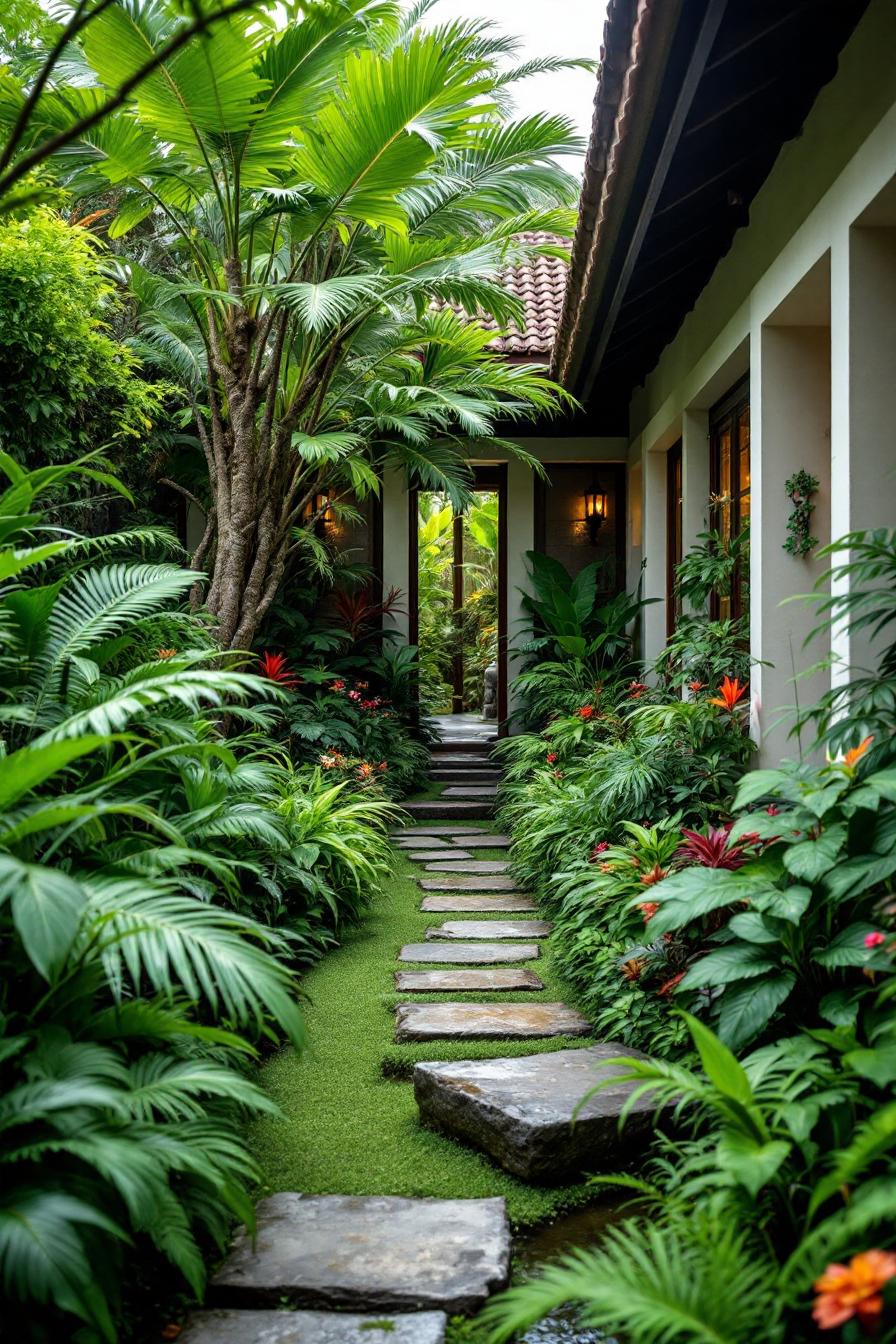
x: 483, y: 979
x: 528, y: 1113
x: 514, y: 903
x: 492, y: 929
x: 469, y: 954
x: 373, y: 1253
x: 445, y: 865
x: 487, y: 842
x: 427, y: 855
x: 470, y: 791
x: 425, y: 842
x: 443, y: 829
x: 314, y: 1327
x: 487, y: 1021
x: 460, y: 882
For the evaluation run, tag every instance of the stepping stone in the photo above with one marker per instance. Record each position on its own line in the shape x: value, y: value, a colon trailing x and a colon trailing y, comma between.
x: 470, y: 791
x: 514, y: 903
x: 476, y: 760
x: 380, y: 1253
x: 487, y: 1021
x: 449, y: 982
x: 423, y: 842
x: 446, y: 865
x: 428, y: 855
x: 456, y: 774
x: 454, y: 809
x: 313, y: 1327
x: 523, y: 1112
x: 491, y: 928
x: 487, y: 842
x: 469, y: 954
x: 411, y: 832
x: 500, y: 882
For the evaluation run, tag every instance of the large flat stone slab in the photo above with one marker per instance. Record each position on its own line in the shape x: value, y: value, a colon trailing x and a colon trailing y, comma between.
x: 426, y: 842
x: 487, y: 980
x: 469, y: 954
x: 515, y: 902
x: 427, y: 855
x: 450, y: 809
x: 314, y: 1327
x: 520, y: 1111
x: 488, y: 842
x: 493, y: 929
x: 465, y: 882
x: 445, y: 865
x: 487, y: 1021
x: 378, y: 1253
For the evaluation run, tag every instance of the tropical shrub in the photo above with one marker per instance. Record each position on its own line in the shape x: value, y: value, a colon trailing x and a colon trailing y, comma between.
x: 783, y: 1164
x: 133, y: 995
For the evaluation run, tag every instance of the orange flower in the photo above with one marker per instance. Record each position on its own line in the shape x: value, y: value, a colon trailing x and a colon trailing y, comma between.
x: 632, y: 969
x: 656, y: 874
x: 668, y: 985
x: 648, y: 910
x: 853, y: 1290
x: 165, y: 654
x: 856, y: 753
x: 729, y: 693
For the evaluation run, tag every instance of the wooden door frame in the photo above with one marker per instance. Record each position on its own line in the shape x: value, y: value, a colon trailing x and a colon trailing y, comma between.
x: 485, y: 477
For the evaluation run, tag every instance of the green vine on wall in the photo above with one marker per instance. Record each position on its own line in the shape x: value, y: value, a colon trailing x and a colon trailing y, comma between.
x: 800, y: 487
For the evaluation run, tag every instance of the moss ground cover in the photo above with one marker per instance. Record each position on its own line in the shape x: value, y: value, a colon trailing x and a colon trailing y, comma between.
x: 347, y: 1128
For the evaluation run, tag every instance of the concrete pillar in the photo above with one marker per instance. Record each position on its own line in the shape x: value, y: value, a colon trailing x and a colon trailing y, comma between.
x: 396, y: 544
x: 655, y: 552
x: 790, y: 381
x: 520, y: 539
x: 863, y: 455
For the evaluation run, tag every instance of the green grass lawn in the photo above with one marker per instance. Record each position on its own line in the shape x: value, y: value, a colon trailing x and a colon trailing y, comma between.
x: 346, y: 1128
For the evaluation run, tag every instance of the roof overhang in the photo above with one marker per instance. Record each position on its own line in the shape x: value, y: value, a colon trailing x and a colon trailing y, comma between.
x: 694, y: 101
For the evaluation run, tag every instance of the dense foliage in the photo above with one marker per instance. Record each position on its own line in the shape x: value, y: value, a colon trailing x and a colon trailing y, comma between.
x: 746, y: 938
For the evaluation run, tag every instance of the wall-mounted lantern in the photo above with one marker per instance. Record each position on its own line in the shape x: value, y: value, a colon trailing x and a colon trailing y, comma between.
x: 319, y: 510
x: 595, y: 510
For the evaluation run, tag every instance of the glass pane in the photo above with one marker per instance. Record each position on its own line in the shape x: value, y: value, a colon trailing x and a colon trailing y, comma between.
x: 743, y: 445
x: 724, y: 442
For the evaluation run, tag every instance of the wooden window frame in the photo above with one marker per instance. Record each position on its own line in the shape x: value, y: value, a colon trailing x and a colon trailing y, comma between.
x: 674, y: 532
x: 726, y: 415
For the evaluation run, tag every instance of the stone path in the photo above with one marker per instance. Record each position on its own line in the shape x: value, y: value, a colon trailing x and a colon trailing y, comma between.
x: 354, y: 1268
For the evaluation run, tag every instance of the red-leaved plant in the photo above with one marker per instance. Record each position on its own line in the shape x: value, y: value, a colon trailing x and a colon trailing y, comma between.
x: 274, y: 667
x: 714, y: 850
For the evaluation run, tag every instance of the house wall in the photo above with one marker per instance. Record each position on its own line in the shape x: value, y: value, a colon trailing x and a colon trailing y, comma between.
x: 805, y: 302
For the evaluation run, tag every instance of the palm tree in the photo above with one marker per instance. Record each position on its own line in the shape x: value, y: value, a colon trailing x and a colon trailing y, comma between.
x: 329, y: 194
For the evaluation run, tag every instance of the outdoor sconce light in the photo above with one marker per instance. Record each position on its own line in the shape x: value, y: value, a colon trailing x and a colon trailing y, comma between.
x: 595, y: 510
x: 319, y: 510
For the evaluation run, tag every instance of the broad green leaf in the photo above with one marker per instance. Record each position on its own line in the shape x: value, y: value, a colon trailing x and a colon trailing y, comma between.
x: 878, y: 1064
x: 719, y: 1064
x: 46, y: 910
x: 739, y: 961
x: 753, y: 1165
x: 847, y: 949
x: 811, y: 859
x: 791, y: 903
x: 747, y: 1009
x: 753, y: 928
x: 30, y: 766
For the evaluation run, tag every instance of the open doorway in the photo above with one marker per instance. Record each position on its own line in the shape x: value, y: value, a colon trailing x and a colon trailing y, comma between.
x: 458, y: 614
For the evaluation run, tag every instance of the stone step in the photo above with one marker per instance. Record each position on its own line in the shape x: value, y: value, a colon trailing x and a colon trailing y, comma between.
x: 526, y: 1113
x: 448, y: 758
x: 448, y: 865
x: 446, y: 831
x: 470, y: 791
x: 480, y: 774
x: 314, y: 1327
x: 469, y: 954
x: 497, y: 882
x: 512, y: 903
x: 430, y: 855
x: 491, y: 929
x: 477, y: 746
x: 487, y: 1021
x: 452, y: 982
x: 452, y: 809
x: 379, y: 1253
x: 487, y: 842
x: 427, y: 841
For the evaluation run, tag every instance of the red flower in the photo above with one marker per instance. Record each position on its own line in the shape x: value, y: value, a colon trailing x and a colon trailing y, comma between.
x: 585, y: 712
x: 656, y: 874
x: 713, y: 850
x: 354, y: 695
x: 370, y: 704
x: 337, y: 685
x: 273, y: 666
x: 668, y: 985
x: 854, y: 1290
x: 875, y: 939
x: 636, y: 689
x: 729, y: 693
x: 648, y: 910
x: 600, y: 848
x: 773, y: 811
x: 551, y: 757
x: 696, y: 686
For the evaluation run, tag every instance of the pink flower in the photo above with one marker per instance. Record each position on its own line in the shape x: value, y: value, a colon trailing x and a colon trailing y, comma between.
x: 354, y: 695
x: 875, y: 939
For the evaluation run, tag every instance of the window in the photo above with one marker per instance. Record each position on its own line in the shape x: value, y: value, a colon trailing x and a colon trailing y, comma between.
x: 674, y: 533
x: 729, y: 475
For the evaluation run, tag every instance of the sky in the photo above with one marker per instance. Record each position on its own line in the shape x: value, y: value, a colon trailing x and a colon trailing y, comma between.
x: 545, y: 27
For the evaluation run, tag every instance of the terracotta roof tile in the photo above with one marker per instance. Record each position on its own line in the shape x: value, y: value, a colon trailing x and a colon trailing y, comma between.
x: 540, y: 283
